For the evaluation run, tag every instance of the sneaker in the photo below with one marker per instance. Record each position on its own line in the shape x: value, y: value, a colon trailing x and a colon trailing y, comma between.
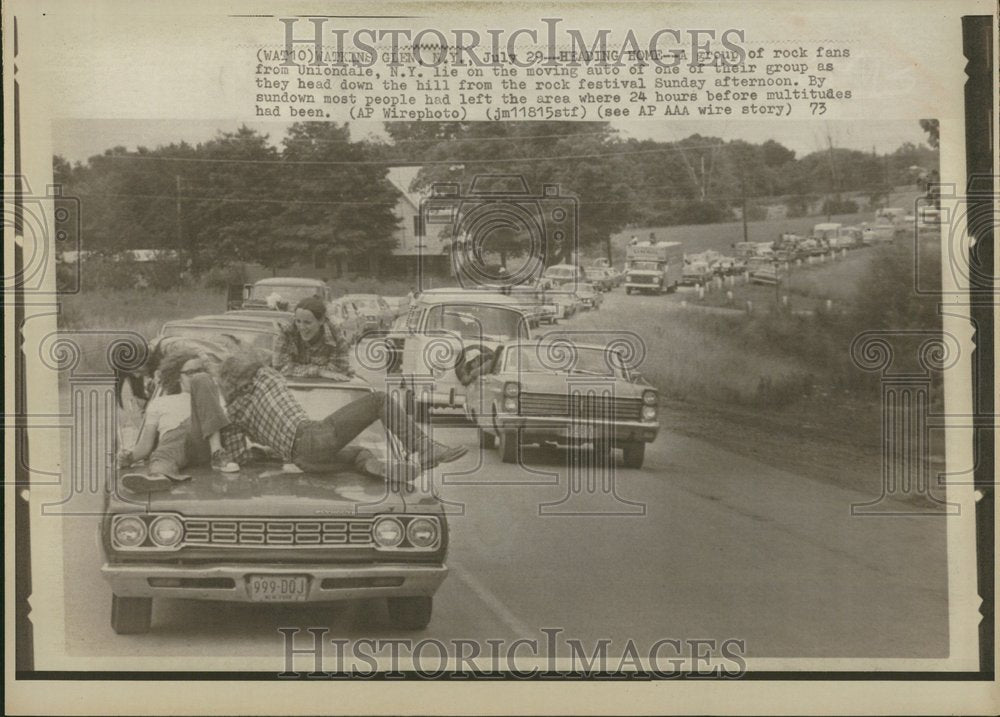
x: 141, y: 483
x: 440, y: 453
x: 218, y: 464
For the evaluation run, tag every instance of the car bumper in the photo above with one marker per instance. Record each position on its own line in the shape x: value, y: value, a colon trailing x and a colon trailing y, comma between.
x: 641, y: 287
x: 231, y: 582
x: 559, y: 427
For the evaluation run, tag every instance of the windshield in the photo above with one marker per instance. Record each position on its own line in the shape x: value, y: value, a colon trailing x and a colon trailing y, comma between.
x: 535, y: 358
x: 477, y: 321
x: 644, y: 266
x: 369, y: 306
x: 320, y: 401
x: 289, y: 294
x: 559, y: 273
x: 226, y: 336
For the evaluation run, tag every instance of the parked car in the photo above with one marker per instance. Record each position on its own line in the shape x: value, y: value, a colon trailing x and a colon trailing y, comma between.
x: 589, y: 296
x: 563, y: 300
x: 564, y: 273
x: 234, y: 333
x: 272, y: 536
x: 696, y: 274
x: 601, y: 278
x: 441, y: 329
x: 375, y: 312
x: 525, y: 396
x: 281, y: 293
x: 345, y: 315
x: 398, y: 305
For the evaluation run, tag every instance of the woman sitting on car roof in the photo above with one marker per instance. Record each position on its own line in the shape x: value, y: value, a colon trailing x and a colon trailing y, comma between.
x: 311, y: 345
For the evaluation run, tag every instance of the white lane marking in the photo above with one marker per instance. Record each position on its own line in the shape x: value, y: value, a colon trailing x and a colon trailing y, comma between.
x: 495, y: 604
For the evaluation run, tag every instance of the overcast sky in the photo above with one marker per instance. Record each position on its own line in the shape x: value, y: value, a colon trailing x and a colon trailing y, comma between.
x: 76, y: 140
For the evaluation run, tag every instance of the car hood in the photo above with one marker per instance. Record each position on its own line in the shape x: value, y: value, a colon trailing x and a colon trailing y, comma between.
x: 555, y: 383
x: 271, y: 491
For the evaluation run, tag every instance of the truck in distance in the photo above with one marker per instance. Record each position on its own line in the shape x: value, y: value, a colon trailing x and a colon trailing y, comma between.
x: 653, y: 267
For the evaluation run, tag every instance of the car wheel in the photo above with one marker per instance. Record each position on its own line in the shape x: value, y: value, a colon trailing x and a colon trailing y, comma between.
x: 507, y: 444
x: 628, y: 290
x: 130, y: 615
x: 486, y: 440
x: 634, y: 453
x: 411, y: 613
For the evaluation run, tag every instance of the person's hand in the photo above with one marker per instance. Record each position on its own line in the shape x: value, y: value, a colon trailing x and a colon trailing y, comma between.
x: 333, y: 375
x: 124, y: 458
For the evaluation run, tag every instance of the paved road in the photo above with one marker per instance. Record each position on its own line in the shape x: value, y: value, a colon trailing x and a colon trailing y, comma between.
x: 724, y: 547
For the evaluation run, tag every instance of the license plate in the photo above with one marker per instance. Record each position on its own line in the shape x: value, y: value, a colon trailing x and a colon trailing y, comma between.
x: 581, y: 431
x: 278, y: 588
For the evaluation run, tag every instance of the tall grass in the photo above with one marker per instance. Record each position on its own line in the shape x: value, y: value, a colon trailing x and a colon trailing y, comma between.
x: 139, y: 310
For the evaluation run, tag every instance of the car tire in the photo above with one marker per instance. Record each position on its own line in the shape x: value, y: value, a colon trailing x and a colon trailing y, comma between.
x: 628, y: 290
x: 634, y: 454
x: 411, y: 613
x: 131, y: 615
x: 507, y: 445
x: 487, y: 440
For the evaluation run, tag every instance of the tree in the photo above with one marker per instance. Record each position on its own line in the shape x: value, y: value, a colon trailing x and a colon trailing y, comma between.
x: 583, y: 160
x: 933, y: 129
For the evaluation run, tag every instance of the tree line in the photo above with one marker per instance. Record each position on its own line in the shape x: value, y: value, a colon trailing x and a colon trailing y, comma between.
x: 321, y: 194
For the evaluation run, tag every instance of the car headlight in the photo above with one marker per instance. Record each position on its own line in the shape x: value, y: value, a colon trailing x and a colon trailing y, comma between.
x: 129, y: 531
x: 166, y: 531
x: 388, y: 532
x: 422, y: 532
x: 649, y: 412
x: 649, y: 398
x: 510, y: 404
x: 511, y: 389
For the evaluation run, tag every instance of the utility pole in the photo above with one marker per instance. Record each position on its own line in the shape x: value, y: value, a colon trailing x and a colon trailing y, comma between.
x: 833, y: 174
x: 743, y: 197
x: 180, y: 234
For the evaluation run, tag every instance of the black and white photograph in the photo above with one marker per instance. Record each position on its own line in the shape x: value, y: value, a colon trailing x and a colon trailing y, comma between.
x: 410, y: 371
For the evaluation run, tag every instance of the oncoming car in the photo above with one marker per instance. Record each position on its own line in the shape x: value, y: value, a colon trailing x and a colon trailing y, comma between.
x: 528, y: 394
x: 271, y: 534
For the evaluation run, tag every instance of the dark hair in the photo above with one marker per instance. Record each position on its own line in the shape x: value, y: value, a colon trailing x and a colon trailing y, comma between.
x: 314, y: 305
x: 170, y: 370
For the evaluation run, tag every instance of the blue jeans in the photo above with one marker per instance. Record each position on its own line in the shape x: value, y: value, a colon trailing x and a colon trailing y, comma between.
x: 318, y: 443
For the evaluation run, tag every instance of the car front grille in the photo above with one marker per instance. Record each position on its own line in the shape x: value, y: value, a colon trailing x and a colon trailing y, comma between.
x: 642, y: 279
x: 285, y: 532
x: 580, y: 406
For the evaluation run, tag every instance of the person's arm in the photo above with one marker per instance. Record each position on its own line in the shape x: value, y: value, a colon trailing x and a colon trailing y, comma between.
x: 285, y: 359
x: 339, y: 360
x: 146, y: 442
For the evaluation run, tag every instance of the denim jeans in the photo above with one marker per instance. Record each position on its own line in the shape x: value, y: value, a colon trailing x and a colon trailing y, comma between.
x: 317, y: 443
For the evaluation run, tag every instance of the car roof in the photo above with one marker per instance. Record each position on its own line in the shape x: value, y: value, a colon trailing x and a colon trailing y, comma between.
x: 259, y: 313
x: 289, y: 281
x: 468, y: 296
x: 361, y: 296
x: 537, y: 342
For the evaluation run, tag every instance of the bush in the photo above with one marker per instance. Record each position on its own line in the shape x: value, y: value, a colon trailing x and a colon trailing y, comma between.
x: 222, y: 277
x: 840, y: 206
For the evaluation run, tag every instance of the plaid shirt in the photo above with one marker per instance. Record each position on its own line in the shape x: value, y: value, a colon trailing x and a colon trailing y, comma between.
x: 328, y: 351
x: 267, y: 413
